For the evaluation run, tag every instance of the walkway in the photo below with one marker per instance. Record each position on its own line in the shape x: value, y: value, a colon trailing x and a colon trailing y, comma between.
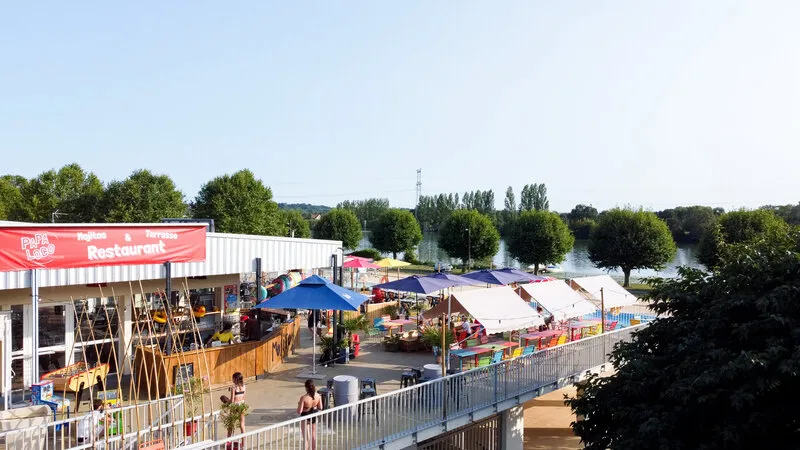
x: 401, y: 418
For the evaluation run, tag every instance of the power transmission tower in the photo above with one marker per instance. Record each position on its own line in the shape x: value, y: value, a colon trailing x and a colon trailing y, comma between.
x: 419, y: 186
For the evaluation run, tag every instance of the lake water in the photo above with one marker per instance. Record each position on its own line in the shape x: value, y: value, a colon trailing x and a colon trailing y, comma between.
x: 575, y: 264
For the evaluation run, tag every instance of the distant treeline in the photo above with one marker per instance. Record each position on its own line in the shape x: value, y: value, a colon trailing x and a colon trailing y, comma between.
x: 686, y: 223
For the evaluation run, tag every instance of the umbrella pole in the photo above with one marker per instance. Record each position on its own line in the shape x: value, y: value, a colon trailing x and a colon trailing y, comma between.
x: 314, y: 348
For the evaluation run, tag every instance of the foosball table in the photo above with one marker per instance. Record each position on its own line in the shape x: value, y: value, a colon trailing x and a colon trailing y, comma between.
x: 76, y: 378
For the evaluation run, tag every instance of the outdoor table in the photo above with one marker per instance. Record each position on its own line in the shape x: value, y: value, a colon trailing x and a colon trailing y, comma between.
x: 501, y: 345
x: 476, y: 351
x: 538, y: 336
x: 582, y: 324
x: 391, y: 324
x: 461, y: 354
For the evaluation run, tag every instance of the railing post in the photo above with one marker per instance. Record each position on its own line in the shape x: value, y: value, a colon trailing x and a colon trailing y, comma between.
x: 494, y: 368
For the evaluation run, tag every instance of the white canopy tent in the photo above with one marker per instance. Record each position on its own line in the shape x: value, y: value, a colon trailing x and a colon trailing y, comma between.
x: 614, y: 295
x: 498, y: 309
x: 558, y: 298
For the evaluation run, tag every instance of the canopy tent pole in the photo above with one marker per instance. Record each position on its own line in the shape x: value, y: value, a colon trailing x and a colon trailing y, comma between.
x: 602, y: 312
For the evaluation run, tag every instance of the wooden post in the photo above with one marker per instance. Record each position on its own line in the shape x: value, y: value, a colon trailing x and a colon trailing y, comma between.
x: 602, y: 312
x: 444, y: 330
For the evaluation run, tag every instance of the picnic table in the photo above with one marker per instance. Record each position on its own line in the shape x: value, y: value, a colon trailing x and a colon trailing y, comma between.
x: 503, y: 346
x: 538, y: 336
x: 398, y: 323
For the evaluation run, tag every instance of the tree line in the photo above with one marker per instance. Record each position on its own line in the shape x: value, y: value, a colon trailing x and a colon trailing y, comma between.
x: 238, y: 203
x: 620, y: 238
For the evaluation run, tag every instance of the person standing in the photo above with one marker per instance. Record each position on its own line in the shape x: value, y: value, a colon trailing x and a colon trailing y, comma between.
x: 310, y: 403
x: 237, y: 397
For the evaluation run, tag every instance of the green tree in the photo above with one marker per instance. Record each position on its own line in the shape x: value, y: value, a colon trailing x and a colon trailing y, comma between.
x: 69, y: 194
x: 142, y: 198
x: 367, y: 211
x: 539, y: 238
x: 534, y: 197
x: 238, y: 203
x: 582, y: 220
x: 689, y: 223
x: 11, y: 207
x: 339, y: 225
x: 293, y: 223
x: 396, y: 231
x: 468, y: 234
x: 630, y: 240
x: 720, y: 372
x: 741, y: 227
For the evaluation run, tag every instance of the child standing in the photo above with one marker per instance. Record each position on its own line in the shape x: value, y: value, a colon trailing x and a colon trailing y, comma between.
x: 237, y: 395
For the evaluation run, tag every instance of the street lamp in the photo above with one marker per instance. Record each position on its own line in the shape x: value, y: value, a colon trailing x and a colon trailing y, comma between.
x: 469, y: 249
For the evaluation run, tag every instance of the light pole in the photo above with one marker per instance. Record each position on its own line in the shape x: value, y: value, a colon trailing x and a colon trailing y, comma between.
x: 469, y: 249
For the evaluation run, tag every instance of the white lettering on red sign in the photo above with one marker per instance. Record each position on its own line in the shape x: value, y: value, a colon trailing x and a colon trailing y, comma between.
x: 121, y: 251
x: 37, y: 247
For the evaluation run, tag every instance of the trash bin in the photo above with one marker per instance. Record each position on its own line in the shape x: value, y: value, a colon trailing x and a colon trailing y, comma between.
x: 431, y: 371
x: 345, y: 390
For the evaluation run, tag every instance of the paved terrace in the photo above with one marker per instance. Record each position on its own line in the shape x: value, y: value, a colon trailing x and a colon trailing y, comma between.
x: 401, y: 418
x: 275, y: 398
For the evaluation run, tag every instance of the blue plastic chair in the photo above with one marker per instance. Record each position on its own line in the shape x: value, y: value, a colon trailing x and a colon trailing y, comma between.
x: 497, y: 357
x: 378, y: 324
x: 528, y: 350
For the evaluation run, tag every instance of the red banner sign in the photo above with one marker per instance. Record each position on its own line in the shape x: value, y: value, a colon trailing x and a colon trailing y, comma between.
x: 45, y: 247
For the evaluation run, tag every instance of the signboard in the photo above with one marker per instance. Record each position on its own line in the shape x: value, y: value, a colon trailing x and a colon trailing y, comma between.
x: 66, y: 247
x: 182, y: 373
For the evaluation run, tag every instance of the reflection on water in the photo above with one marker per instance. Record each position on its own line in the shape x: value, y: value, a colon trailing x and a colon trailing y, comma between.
x: 576, y: 262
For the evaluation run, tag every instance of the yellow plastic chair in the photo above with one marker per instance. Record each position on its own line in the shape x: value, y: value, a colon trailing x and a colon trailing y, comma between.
x: 516, y: 353
x: 562, y: 339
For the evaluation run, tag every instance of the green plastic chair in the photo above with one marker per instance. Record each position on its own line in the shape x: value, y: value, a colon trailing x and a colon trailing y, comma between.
x: 472, y: 342
x: 484, y: 361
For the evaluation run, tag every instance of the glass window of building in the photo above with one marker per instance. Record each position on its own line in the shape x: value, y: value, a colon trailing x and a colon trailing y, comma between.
x: 16, y: 328
x: 52, y: 326
x: 96, y: 319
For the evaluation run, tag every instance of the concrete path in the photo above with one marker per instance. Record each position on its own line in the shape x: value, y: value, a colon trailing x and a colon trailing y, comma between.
x: 275, y: 398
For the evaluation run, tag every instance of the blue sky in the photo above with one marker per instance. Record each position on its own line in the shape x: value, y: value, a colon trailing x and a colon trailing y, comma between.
x: 651, y: 104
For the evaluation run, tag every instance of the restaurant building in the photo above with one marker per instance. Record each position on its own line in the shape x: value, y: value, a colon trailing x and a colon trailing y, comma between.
x: 68, y: 292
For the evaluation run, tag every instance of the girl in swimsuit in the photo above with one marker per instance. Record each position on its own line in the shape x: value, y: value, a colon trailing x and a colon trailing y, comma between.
x: 310, y: 403
x: 237, y: 395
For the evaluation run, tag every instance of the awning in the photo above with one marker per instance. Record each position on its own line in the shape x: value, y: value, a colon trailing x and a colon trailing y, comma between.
x: 558, y: 298
x: 497, y: 309
x: 614, y: 295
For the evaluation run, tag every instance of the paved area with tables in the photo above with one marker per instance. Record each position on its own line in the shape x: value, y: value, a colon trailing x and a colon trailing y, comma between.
x: 275, y: 399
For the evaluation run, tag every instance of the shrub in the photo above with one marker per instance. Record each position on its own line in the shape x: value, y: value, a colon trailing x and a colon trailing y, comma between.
x: 367, y: 253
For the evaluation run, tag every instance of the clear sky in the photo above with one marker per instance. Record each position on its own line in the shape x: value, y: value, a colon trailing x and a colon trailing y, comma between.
x: 644, y: 103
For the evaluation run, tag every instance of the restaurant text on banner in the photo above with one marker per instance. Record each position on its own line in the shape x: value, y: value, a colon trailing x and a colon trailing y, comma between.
x: 66, y: 247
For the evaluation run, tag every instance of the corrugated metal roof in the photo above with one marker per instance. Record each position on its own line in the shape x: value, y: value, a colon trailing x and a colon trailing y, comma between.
x: 225, y: 254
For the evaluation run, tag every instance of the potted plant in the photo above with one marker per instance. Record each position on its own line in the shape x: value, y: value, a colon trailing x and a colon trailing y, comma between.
x: 392, y: 343
x: 193, y: 391
x: 432, y: 338
x: 327, y: 349
x: 355, y: 324
x: 391, y: 311
x: 231, y: 414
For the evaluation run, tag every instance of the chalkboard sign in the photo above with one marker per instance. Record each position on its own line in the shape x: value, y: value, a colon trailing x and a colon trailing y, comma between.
x: 182, y: 374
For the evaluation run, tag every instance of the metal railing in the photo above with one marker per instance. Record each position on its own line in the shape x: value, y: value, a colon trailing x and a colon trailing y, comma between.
x: 123, y: 428
x: 377, y: 420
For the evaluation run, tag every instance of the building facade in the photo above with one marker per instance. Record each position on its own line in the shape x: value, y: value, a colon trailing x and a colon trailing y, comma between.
x: 86, y: 314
